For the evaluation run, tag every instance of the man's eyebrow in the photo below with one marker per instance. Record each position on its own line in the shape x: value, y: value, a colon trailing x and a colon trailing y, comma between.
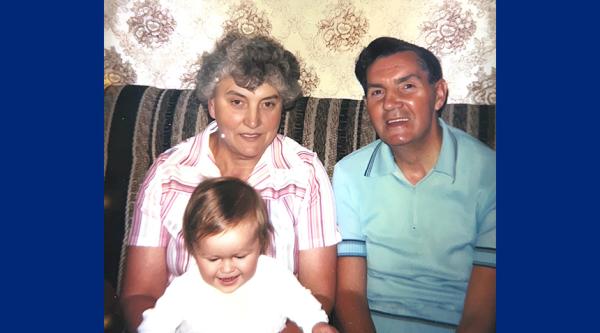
x: 405, y: 78
x: 374, y: 85
x: 396, y: 81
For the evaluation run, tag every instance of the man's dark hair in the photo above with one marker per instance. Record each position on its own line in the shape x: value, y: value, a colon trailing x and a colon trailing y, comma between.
x: 386, y: 46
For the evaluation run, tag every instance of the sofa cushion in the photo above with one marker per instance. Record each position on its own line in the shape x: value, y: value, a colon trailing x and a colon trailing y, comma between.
x: 140, y: 122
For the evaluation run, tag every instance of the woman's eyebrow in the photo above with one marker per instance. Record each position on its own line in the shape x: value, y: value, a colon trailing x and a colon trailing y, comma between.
x: 271, y: 97
x: 235, y: 93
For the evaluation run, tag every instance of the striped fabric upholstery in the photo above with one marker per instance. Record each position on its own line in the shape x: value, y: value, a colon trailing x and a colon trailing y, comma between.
x: 140, y: 122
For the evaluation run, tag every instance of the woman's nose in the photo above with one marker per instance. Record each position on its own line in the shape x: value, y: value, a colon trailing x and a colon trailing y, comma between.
x: 252, y: 119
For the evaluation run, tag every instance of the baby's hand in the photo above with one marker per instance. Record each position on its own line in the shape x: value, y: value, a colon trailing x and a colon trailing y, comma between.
x: 324, y: 328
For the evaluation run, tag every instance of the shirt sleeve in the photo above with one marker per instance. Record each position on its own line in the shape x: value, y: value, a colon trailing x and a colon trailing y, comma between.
x: 485, y: 247
x: 353, y: 240
x: 146, y: 226
x: 167, y: 313
x: 316, y: 222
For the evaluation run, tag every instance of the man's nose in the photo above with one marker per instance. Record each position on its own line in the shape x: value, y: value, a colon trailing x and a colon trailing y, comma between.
x: 392, y: 100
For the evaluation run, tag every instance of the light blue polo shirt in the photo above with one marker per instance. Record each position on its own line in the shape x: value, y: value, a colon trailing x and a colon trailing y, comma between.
x: 420, y: 241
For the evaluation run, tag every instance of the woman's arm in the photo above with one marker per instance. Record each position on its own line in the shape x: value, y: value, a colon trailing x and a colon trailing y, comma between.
x: 317, y: 272
x: 351, y: 307
x: 144, y: 281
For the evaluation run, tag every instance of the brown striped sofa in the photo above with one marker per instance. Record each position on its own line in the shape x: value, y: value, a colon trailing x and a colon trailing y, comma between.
x: 140, y: 122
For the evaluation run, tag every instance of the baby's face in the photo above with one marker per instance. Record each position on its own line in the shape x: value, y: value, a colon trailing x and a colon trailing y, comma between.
x: 228, y: 260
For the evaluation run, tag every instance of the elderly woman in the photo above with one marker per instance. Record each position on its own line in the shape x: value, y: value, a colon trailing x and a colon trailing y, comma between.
x: 246, y: 82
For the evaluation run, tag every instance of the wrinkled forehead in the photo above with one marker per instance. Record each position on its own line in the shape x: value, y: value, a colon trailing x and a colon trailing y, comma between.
x: 251, y: 79
x: 400, y: 63
x: 228, y: 85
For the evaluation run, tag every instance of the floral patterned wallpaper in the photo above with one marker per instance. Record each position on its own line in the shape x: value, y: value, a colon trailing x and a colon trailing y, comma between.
x: 159, y: 42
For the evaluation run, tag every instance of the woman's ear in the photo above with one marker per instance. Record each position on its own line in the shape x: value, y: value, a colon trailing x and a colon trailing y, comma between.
x: 211, y: 108
x: 441, y: 94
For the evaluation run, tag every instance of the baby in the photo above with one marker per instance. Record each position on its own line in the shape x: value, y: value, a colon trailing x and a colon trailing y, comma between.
x: 233, y: 286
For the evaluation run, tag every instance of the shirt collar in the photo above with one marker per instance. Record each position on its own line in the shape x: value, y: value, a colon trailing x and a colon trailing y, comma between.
x: 446, y: 162
x: 382, y: 159
x: 206, y: 159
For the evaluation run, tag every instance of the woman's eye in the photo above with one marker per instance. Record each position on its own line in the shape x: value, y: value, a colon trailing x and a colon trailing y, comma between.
x: 236, y: 102
x: 213, y: 259
x: 241, y: 257
x: 269, y: 105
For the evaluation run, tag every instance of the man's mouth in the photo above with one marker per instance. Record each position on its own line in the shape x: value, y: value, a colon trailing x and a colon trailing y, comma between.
x: 396, y: 121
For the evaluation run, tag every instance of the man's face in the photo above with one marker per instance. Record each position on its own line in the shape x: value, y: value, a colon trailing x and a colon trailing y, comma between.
x: 401, y: 102
x: 228, y: 260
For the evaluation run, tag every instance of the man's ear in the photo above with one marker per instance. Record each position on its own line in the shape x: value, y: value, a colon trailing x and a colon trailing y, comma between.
x: 441, y: 94
x: 211, y: 107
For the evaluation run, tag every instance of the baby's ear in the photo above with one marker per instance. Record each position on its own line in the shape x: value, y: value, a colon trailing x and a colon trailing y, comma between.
x: 267, y: 248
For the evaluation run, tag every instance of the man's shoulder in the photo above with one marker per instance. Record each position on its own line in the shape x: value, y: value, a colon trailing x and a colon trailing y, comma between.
x: 471, y: 145
x: 359, y: 158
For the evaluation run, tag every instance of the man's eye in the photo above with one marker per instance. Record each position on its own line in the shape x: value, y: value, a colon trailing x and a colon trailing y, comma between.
x: 376, y: 92
x: 409, y: 86
x: 236, y: 102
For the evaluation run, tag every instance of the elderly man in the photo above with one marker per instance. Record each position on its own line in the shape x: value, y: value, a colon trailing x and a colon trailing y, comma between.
x: 416, y: 208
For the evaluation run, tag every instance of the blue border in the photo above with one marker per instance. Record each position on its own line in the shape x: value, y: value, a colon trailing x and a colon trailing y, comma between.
x: 52, y: 166
x: 547, y: 125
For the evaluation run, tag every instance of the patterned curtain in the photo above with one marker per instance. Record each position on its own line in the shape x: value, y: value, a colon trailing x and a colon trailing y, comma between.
x: 159, y: 42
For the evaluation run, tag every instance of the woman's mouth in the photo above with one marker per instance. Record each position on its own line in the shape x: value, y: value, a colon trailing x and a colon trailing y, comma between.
x: 250, y: 136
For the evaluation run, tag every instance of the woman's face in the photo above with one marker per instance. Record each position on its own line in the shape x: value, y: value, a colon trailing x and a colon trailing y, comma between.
x: 248, y: 120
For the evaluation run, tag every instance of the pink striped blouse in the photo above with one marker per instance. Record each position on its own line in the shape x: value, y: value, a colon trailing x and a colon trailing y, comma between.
x: 289, y: 177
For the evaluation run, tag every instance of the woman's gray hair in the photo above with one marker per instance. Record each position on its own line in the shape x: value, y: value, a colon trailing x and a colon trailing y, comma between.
x: 251, y: 61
